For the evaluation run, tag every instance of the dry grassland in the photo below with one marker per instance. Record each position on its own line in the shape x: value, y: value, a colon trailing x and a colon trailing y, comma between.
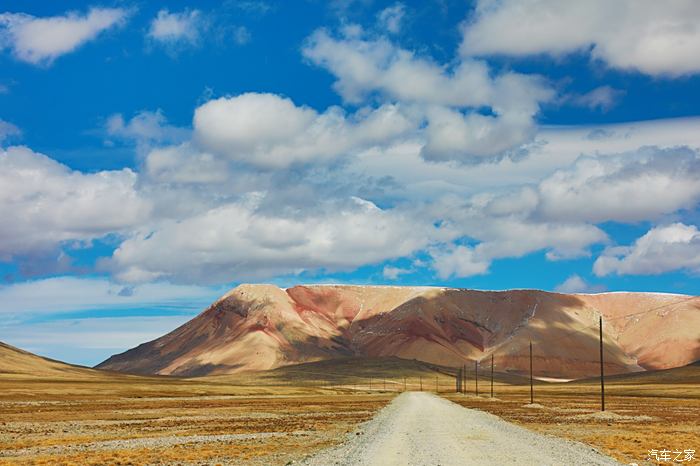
x: 281, y: 416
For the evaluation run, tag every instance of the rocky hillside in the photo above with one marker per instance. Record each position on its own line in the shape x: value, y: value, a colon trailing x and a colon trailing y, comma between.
x: 260, y: 327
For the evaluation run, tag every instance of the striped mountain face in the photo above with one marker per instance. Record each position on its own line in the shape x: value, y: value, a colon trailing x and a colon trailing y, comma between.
x: 260, y: 327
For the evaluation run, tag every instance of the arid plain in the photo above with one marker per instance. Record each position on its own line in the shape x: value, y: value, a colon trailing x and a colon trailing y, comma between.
x: 62, y: 414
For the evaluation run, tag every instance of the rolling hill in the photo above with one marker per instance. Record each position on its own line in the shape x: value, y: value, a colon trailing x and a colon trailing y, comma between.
x: 16, y: 362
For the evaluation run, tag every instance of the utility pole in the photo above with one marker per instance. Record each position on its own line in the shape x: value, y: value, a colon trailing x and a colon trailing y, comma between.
x: 491, y: 375
x: 476, y: 377
x: 602, y: 374
x: 437, y: 388
x: 421, y: 382
x: 532, y: 390
x: 464, y: 379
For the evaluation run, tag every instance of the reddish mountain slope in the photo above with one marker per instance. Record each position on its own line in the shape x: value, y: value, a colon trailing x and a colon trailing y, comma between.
x: 258, y: 327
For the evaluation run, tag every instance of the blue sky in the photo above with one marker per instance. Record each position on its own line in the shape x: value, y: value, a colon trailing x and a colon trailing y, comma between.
x: 153, y: 156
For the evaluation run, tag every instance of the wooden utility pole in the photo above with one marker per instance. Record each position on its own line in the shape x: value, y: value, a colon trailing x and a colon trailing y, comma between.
x: 421, y: 382
x: 532, y: 390
x: 458, y: 378
x: 492, y: 376
x: 602, y: 373
x: 464, y: 378
x: 476, y: 377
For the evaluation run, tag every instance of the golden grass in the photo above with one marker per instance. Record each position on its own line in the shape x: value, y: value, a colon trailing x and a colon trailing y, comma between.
x: 637, y: 418
x: 308, y: 407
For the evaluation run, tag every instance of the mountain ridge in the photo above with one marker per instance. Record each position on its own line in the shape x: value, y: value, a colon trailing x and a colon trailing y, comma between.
x: 260, y: 327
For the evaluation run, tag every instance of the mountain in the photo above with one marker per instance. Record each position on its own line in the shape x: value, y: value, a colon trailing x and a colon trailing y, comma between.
x: 260, y: 327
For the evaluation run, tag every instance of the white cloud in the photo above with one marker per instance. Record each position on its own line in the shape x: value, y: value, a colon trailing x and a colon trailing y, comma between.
x: 662, y: 249
x: 145, y: 127
x: 377, y: 65
x: 176, y: 28
x: 526, y: 214
x: 44, y: 203
x: 41, y: 40
x: 576, y: 284
x: 459, y: 261
x: 656, y: 38
x: 640, y: 185
x: 393, y: 273
x: 240, y: 241
x: 390, y: 18
x: 448, y: 98
x: 601, y: 98
x: 269, y: 131
x: 183, y: 164
x: 215, y: 208
x: 70, y: 294
x: 554, y: 148
x: 8, y: 130
x: 452, y: 135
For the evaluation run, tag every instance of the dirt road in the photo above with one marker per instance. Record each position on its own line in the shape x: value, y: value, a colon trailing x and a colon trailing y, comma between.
x: 423, y: 429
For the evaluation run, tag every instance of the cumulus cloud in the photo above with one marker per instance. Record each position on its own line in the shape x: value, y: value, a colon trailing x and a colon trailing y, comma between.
x: 448, y: 98
x: 269, y: 131
x: 224, y: 214
x: 640, y: 185
x: 238, y: 241
x: 559, y: 214
x: 453, y: 135
x: 656, y: 38
x: 176, y: 28
x: 576, y: 284
x: 40, y: 41
x: 185, y: 164
x: 43, y: 203
x: 503, y: 225
x: 459, y: 261
x: 363, y: 66
x: 662, y: 249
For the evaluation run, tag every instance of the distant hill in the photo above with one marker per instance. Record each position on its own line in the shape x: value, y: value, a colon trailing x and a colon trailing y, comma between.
x: 689, y: 374
x: 17, y: 362
x: 261, y: 327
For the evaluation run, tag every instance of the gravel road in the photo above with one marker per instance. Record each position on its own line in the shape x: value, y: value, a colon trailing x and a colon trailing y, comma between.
x: 419, y: 428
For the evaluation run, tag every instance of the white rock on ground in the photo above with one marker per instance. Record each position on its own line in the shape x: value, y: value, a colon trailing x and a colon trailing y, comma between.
x: 423, y: 429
